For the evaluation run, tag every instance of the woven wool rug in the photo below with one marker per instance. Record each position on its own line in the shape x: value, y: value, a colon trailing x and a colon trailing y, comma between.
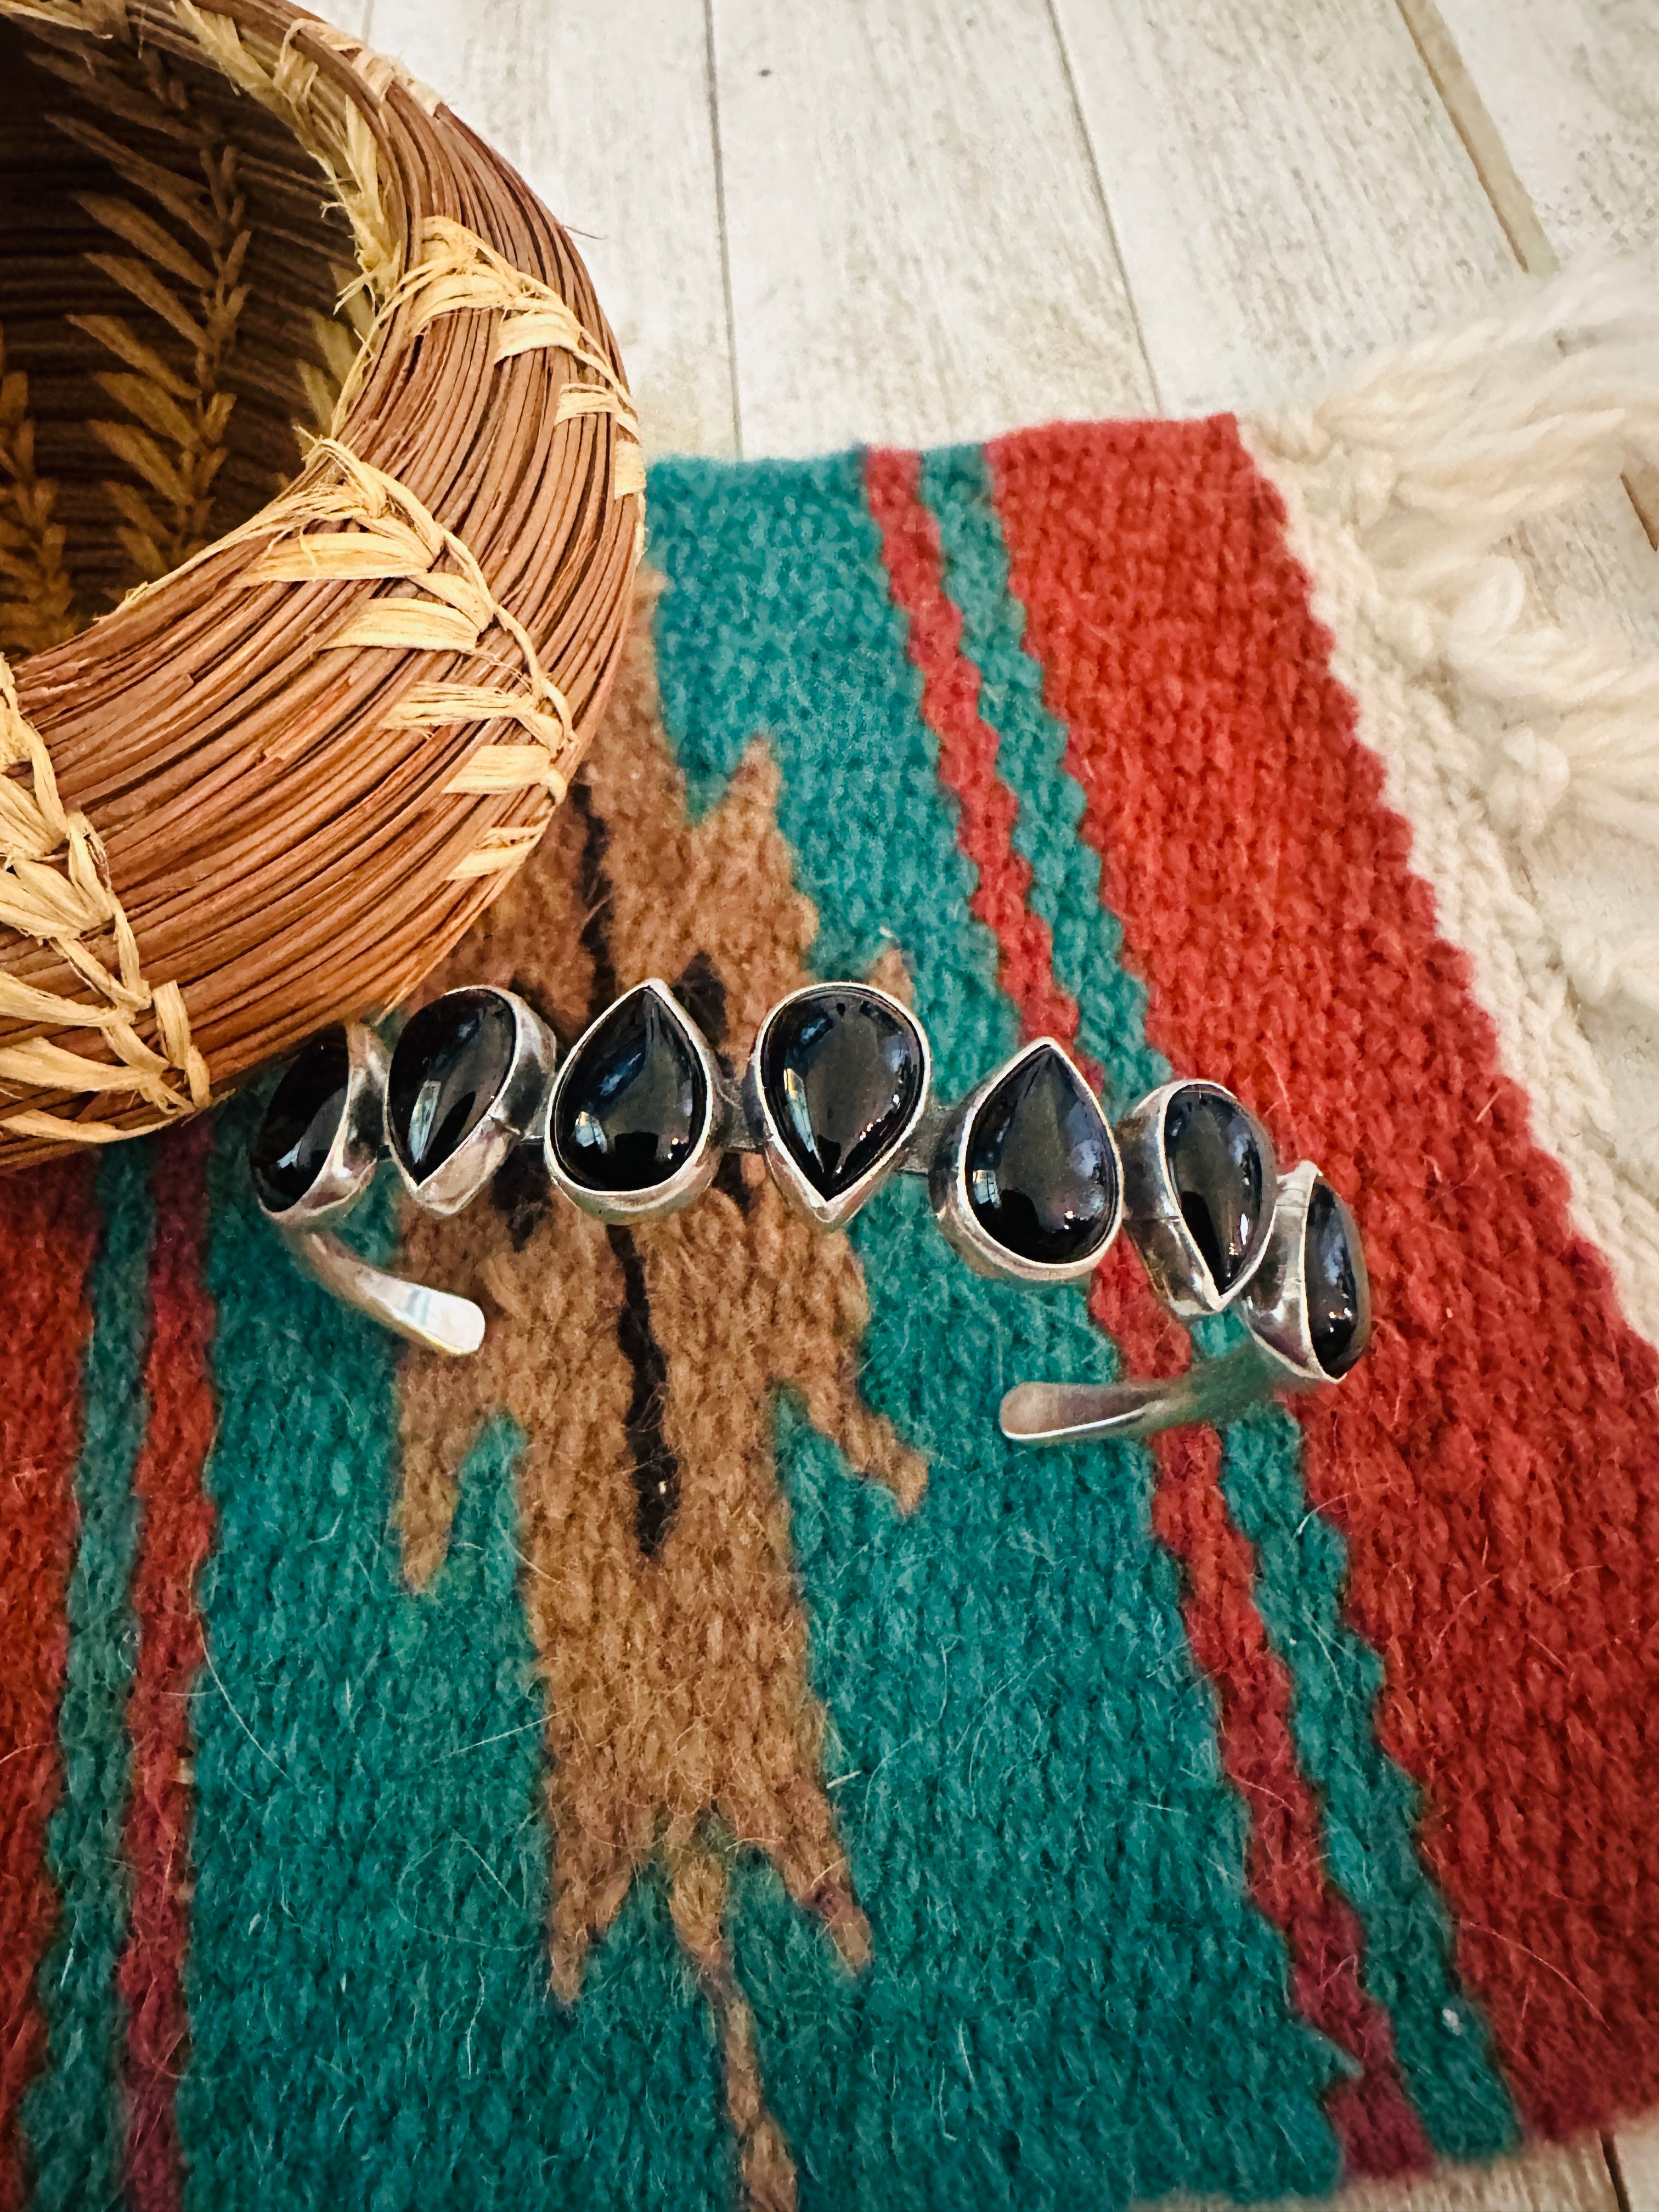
x: 683, y: 1756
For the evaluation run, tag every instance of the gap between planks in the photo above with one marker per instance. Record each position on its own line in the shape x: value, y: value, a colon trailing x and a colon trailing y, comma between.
x: 1501, y: 181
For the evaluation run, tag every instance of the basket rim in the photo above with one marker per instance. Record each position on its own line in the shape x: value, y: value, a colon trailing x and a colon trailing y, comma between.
x: 413, y: 543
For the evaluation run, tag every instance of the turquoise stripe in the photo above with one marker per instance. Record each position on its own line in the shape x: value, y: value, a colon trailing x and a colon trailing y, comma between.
x: 371, y: 2019
x: 72, y: 2117
x: 1371, y: 1808
x: 1071, y: 1998
x: 841, y: 706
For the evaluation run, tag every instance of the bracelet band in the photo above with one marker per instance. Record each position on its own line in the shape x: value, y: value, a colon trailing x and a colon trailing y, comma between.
x: 1027, y: 1179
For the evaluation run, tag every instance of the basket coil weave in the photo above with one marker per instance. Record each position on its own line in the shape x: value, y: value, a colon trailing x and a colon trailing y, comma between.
x: 320, y: 494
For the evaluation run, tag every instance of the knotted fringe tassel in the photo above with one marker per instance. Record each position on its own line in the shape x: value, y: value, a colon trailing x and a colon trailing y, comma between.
x: 1509, y: 740
x: 1451, y: 444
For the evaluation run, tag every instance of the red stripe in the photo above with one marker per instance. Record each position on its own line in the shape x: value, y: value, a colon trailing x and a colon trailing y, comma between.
x: 48, y: 1234
x: 176, y: 1533
x: 1379, y: 2131
x: 1495, y: 1463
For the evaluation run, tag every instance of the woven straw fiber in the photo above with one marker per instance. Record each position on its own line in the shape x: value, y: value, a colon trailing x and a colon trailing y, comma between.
x: 683, y: 1756
x: 308, y: 409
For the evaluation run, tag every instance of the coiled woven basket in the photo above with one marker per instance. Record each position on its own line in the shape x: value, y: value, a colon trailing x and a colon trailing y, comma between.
x: 320, y: 494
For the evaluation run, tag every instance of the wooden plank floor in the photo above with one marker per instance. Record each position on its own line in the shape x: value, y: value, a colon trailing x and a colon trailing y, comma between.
x: 816, y: 222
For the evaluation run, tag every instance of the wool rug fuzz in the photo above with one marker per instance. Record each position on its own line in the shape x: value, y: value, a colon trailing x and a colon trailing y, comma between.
x: 683, y: 1756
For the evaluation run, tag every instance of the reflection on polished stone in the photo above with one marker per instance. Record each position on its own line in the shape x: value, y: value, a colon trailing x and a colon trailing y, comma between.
x: 633, y: 1102
x: 1215, y: 1164
x: 1042, y: 1173
x: 446, y: 1072
x: 1334, y: 1282
x: 301, y: 1122
x: 841, y: 1073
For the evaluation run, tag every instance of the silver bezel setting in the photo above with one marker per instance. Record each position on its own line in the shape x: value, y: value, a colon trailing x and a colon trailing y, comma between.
x: 358, y: 1143
x: 1275, y: 1309
x: 511, y: 1115
x: 781, y: 1164
x: 694, y: 1175
x: 947, y: 1186
x: 1152, y: 1207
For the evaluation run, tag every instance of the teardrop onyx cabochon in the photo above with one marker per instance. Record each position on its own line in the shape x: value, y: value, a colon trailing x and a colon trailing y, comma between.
x: 446, y: 1072
x: 1215, y: 1164
x: 633, y: 1100
x: 1042, y: 1173
x: 301, y: 1122
x: 1338, y: 1297
x: 842, y: 1073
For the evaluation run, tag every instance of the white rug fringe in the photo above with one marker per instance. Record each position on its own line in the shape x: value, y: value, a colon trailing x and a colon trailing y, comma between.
x: 1435, y: 453
x: 1525, y: 755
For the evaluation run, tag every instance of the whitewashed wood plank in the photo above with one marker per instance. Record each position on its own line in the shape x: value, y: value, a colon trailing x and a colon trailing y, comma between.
x: 1558, y: 106
x: 1572, y: 87
x: 351, y: 15
x: 604, y: 107
x: 1482, y: 140
x: 1288, y: 194
x: 1636, y: 2152
x: 1550, y: 2178
x: 917, y: 246
x: 1287, y: 189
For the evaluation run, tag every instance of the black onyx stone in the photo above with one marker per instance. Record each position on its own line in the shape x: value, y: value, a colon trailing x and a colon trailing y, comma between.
x: 1215, y: 1164
x: 301, y: 1122
x: 1042, y: 1173
x: 1337, y: 1295
x: 841, y: 1073
x: 446, y: 1072
x: 633, y: 1102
